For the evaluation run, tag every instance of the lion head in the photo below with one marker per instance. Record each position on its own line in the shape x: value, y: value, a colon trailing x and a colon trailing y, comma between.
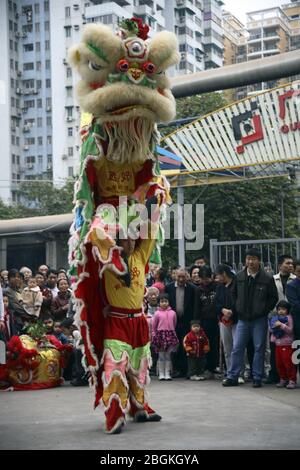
x: 123, y: 76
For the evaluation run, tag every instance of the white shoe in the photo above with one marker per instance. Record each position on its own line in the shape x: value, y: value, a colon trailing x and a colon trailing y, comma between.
x: 168, y: 366
x: 241, y: 380
x: 161, y: 370
x: 201, y: 377
x: 195, y: 377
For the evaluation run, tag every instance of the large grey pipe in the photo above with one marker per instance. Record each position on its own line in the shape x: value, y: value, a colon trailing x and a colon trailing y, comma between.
x: 237, y: 75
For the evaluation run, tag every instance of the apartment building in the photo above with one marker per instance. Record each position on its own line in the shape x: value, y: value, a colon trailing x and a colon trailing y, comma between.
x: 213, y: 33
x: 235, y: 50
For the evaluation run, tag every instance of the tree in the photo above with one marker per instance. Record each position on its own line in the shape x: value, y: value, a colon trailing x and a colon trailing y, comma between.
x: 195, y: 106
x: 242, y: 211
x: 40, y: 198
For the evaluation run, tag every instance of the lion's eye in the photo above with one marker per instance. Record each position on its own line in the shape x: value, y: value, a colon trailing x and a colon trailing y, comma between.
x: 94, y: 67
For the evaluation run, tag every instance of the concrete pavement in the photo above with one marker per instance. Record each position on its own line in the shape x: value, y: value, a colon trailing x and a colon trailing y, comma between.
x: 196, y: 415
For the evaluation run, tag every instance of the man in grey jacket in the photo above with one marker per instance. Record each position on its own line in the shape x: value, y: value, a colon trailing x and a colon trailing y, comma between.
x: 255, y: 295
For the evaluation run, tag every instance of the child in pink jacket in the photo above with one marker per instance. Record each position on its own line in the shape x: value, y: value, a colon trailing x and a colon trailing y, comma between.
x: 164, y: 338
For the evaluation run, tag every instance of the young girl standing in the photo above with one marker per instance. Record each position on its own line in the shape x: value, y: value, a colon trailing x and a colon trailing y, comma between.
x: 164, y: 338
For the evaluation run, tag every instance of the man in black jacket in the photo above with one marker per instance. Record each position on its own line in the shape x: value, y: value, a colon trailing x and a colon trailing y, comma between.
x: 254, y: 295
x: 182, y: 300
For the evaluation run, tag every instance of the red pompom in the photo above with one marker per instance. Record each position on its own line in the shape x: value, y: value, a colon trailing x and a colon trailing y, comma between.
x: 122, y: 65
x: 148, y: 67
x: 143, y: 28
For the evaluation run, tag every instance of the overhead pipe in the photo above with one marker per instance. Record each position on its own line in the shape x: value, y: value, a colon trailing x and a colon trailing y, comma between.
x: 237, y: 75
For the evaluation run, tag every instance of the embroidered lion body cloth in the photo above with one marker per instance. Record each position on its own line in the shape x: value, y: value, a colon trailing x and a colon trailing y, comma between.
x: 123, y: 93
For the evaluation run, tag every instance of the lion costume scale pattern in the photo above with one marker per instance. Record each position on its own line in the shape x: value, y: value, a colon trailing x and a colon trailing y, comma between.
x: 123, y: 93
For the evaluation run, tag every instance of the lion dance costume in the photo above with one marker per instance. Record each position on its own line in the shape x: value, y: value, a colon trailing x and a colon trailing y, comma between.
x: 123, y: 93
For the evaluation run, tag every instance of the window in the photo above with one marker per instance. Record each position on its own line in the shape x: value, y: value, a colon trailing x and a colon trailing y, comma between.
x: 47, y: 45
x: 70, y: 131
x: 40, y: 159
x: 16, y: 47
x: 67, y: 12
x: 49, y: 158
x: 30, y: 160
x: 13, y: 139
x: 11, y: 44
x: 39, y: 122
x: 29, y: 104
x: 17, y: 141
x: 68, y: 31
x: 38, y: 47
x: 10, y: 25
x: 48, y: 83
x: 27, y: 28
x: 69, y: 91
x: 49, y: 121
x: 47, y: 25
x: 39, y: 84
x: 28, y: 66
x: 39, y: 103
x: 13, y: 159
x: 36, y: 8
x: 48, y: 102
x: 40, y: 140
x: 12, y: 101
x: 28, y: 47
x: 70, y: 171
x: 12, y: 83
x: 70, y: 151
x: 28, y: 83
x: 47, y: 64
x: 39, y: 65
x: 46, y: 5
x: 30, y: 141
x: 11, y: 64
x: 69, y: 110
x: 49, y: 139
x: 69, y: 72
x: 18, y: 159
x: 37, y: 27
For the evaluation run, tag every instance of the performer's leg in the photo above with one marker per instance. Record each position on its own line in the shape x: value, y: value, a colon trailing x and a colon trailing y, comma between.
x: 115, y: 392
x: 138, y: 381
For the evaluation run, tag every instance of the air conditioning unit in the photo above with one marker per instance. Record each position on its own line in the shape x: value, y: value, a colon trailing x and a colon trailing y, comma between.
x: 13, y: 129
x: 76, y: 6
x: 19, y: 114
x: 33, y: 91
x: 17, y: 15
x: 26, y: 129
x: 19, y: 73
x: 18, y: 35
x: 26, y: 147
x: 48, y: 108
x: 76, y: 27
x: 69, y: 119
x: 19, y: 91
x: 64, y: 157
x: 49, y: 167
x: 29, y: 167
x: 180, y: 2
x: 65, y: 62
x: 24, y: 35
x: 27, y: 92
x: 183, y: 56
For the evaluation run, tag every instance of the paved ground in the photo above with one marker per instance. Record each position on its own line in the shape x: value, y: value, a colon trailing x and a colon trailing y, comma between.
x: 196, y: 415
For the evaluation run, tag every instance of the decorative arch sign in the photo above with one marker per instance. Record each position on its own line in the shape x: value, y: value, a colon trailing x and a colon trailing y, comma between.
x: 259, y: 130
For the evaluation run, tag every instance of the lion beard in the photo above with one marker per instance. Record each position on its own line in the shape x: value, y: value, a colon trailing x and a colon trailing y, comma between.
x: 131, y: 141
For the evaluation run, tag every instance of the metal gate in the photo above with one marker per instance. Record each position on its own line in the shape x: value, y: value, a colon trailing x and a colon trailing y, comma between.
x: 234, y: 252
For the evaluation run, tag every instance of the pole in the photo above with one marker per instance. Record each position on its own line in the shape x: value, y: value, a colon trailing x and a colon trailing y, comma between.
x: 181, y: 243
x: 282, y: 215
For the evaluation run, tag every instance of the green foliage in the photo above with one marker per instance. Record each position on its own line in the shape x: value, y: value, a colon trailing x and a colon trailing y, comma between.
x: 40, y: 198
x: 247, y: 210
x: 36, y: 330
x: 196, y: 106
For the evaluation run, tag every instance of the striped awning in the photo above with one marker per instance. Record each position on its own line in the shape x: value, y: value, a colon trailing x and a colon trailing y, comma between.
x: 260, y: 130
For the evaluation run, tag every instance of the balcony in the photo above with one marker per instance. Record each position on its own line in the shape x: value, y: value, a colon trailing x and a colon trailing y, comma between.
x: 254, y: 38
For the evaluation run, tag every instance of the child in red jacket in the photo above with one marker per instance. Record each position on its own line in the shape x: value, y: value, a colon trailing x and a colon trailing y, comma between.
x: 196, y: 345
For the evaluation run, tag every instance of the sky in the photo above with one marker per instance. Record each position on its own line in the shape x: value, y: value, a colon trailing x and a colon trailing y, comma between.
x: 240, y: 7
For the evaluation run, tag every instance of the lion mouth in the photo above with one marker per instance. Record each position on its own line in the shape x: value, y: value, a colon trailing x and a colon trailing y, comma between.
x: 118, y: 111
